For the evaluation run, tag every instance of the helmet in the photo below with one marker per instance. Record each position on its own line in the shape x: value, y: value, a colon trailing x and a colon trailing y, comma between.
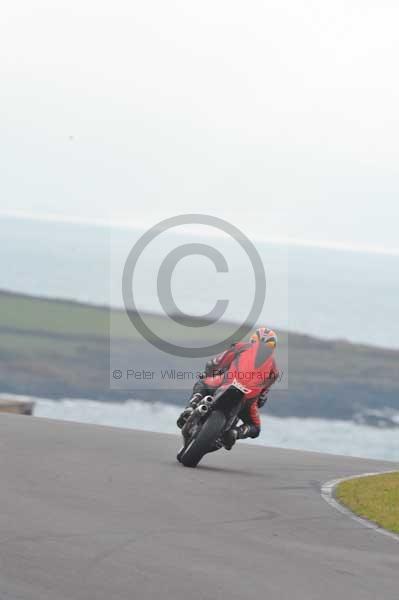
x: 265, y: 335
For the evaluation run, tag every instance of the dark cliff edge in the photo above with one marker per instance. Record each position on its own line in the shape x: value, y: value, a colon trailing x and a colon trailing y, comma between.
x: 60, y: 349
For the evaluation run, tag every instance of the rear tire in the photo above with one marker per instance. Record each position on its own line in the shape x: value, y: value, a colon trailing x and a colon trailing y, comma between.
x: 179, y: 454
x: 203, y: 442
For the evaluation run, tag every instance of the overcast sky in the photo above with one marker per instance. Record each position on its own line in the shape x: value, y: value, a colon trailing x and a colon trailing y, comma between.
x: 280, y: 116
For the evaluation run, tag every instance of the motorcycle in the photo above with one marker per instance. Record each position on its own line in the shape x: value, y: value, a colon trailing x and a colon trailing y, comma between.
x: 209, y: 421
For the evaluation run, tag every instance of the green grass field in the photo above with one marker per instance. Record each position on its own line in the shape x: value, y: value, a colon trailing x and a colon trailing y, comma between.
x: 376, y: 498
x: 57, y: 348
x: 61, y: 317
x: 35, y: 314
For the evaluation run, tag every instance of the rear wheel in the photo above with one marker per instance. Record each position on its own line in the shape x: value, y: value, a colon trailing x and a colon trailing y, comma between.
x: 204, y: 440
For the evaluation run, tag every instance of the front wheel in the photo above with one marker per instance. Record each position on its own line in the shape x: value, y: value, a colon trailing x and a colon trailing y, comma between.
x: 204, y: 440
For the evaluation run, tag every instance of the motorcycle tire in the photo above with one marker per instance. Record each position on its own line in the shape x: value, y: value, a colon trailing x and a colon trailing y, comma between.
x: 204, y: 440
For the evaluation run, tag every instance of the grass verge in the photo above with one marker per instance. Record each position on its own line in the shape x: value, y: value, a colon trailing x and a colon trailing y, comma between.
x: 375, y: 498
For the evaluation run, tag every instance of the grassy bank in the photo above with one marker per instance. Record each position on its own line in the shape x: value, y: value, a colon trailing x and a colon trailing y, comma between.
x: 57, y: 348
x: 375, y: 498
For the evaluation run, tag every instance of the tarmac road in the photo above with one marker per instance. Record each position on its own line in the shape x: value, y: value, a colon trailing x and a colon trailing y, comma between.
x: 95, y: 513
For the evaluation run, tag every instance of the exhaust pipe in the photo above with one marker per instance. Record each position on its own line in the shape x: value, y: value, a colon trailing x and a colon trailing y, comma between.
x: 208, y: 400
x: 203, y: 409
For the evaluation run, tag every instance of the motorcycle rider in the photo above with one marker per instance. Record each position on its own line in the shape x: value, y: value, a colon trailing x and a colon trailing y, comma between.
x: 253, y: 365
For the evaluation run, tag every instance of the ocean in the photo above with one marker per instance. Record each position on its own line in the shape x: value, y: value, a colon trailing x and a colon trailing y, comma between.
x: 325, y: 293
x: 333, y: 437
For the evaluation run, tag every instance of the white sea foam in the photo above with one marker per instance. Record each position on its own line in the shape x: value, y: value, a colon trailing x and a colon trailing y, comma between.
x: 336, y: 437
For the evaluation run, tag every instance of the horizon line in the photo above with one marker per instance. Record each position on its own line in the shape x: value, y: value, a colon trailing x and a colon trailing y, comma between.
x: 277, y: 240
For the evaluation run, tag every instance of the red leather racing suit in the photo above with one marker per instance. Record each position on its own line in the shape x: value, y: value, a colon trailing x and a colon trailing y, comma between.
x: 253, y: 365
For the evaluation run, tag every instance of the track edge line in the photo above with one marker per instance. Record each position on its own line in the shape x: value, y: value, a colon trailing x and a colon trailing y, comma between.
x: 327, y: 493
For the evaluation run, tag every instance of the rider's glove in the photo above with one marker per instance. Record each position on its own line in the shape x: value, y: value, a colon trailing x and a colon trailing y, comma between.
x: 209, y: 368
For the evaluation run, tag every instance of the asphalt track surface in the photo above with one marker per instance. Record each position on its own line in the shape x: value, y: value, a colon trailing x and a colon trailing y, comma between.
x: 93, y: 513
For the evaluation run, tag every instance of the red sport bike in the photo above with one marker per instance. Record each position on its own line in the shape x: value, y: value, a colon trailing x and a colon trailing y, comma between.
x: 209, y: 421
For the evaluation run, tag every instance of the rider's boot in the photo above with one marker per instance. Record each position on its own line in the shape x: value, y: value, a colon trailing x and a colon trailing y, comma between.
x: 236, y: 433
x: 230, y: 438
